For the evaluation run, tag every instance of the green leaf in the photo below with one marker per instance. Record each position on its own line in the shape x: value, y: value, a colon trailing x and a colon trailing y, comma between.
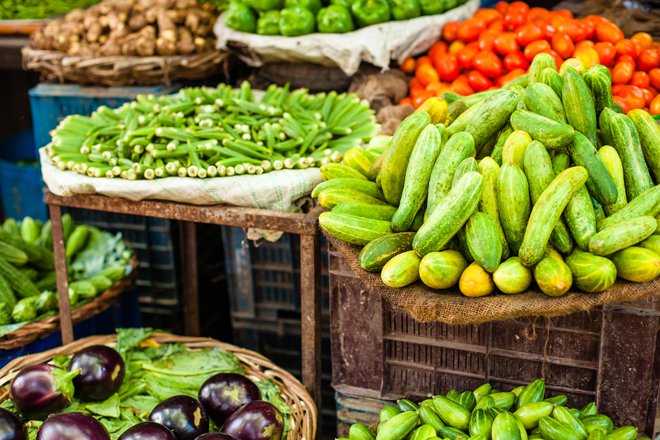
x: 107, y: 408
x: 129, y: 338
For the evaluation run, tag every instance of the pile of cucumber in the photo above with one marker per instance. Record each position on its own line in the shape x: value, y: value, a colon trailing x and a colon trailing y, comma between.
x: 485, y: 413
x: 545, y: 180
x: 96, y: 260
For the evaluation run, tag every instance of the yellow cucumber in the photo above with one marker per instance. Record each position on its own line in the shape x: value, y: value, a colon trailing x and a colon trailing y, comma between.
x: 397, y: 156
x: 358, y: 159
x: 502, y: 136
x: 653, y: 243
x: 423, y: 157
x: 436, y: 108
x: 513, y: 152
x: 612, y: 162
x: 552, y: 275
x: 512, y: 277
x: 475, y: 281
x: 401, y: 270
x: 442, y: 270
x: 338, y: 170
x: 637, y: 264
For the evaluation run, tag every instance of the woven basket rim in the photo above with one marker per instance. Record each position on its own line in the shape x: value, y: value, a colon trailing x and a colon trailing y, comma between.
x: 40, y: 329
x: 304, y: 413
x: 123, y: 69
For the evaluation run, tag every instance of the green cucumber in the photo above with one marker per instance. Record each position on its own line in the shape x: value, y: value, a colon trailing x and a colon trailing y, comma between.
x: 514, y: 204
x: 540, y: 62
x: 542, y: 100
x: 331, y: 197
x: 469, y: 164
x: 579, y: 104
x: 483, y: 241
x: 637, y: 264
x: 401, y: 270
x: 622, y: 235
x: 442, y: 270
x: 381, y: 250
x: 551, y: 429
x: 489, y: 170
x: 599, y: 80
x: 502, y: 136
x: 512, y: 277
x: 649, y: 137
x: 552, y: 78
x: 600, y: 182
x: 365, y: 210
x: 452, y: 413
x: 353, y: 229
x: 493, y: 113
x: 591, y: 273
x: 581, y: 218
x: 505, y: 427
x: 647, y: 203
x: 612, y: 162
x: 364, y: 186
x: 552, y: 134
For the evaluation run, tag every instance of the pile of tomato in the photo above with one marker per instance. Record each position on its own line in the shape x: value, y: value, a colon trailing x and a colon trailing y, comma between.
x: 497, y: 45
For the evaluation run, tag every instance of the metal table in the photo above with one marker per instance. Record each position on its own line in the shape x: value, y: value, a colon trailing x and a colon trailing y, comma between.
x: 305, y: 225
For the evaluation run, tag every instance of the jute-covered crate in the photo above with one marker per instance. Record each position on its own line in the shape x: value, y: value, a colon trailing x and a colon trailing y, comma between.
x: 608, y: 355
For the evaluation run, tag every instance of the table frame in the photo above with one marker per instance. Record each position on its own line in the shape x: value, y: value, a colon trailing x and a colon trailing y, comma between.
x: 305, y: 225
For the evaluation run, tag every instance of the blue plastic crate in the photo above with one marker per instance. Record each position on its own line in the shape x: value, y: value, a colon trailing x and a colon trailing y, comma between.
x: 126, y: 313
x: 50, y: 103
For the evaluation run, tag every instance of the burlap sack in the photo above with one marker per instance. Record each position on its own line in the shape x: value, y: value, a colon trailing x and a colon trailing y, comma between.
x: 450, y: 307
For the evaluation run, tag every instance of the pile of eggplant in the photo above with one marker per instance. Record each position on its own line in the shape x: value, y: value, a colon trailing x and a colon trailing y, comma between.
x: 82, y: 401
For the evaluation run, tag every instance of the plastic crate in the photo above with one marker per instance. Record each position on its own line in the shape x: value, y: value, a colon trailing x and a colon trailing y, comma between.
x: 125, y: 313
x: 608, y: 355
x: 50, y: 103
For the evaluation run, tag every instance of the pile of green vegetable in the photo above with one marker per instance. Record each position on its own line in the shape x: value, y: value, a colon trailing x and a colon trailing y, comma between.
x: 292, y: 18
x: 96, y: 260
x: 152, y: 373
x: 208, y: 132
x: 486, y: 413
x: 38, y: 9
x: 545, y: 180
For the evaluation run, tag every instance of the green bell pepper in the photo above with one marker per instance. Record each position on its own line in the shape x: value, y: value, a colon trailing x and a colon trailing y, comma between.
x: 241, y: 17
x: 405, y: 9
x: 433, y: 7
x: 264, y: 5
x: 345, y: 3
x: 334, y: 19
x: 296, y: 21
x: 269, y: 23
x: 368, y: 12
x: 312, y: 5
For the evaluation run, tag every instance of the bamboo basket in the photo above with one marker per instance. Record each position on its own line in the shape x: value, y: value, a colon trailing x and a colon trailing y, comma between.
x: 256, y: 366
x: 124, y: 70
x: 40, y: 329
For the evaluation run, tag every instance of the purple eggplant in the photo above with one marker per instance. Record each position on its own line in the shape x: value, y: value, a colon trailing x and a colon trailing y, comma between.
x: 224, y: 393
x: 101, y: 372
x: 216, y: 436
x: 41, y: 390
x: 257, y: 420
x: 182, y: 415
x: 72, y: 426
x: 11, y: 428
x: 148, y: 431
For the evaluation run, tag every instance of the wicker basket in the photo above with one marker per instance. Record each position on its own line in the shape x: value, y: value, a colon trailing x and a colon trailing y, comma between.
x: 257, y: 367
x: 124, y: 70
x: 40, y: 329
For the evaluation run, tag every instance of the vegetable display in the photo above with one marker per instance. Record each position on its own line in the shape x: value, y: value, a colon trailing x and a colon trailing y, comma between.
x: 208, y: 132
x: 292, y: 18
x: 488, y: 193
x: 156, y: 398
x: 39, y: 9
x: 132, y: 28
x: 497, y: 45
x: 28, y: 286
x: 487, y: 413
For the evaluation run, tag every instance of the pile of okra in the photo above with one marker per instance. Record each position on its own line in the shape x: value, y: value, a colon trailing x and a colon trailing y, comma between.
x: 212, y: 132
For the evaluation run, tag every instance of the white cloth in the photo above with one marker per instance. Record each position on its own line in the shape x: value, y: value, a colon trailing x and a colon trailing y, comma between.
x: 377, y: 44
x: 275, y: 190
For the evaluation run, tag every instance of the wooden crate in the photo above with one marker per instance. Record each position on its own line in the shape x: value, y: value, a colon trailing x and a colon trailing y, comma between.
x: 609, y: 355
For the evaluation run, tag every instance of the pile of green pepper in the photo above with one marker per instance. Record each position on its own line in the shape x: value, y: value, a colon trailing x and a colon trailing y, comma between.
x: 292, y: 18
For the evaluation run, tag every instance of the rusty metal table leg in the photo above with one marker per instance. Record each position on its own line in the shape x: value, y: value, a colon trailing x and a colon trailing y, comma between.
x: 190, y: 279
x: 59, y: 253
x: 310, y: 291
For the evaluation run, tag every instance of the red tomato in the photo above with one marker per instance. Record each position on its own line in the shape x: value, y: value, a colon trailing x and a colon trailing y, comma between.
x: 595, y: 20
x: 565, y: 13
x: 626, y: 59
x: 529, y: 32
x: 536, y: 48
x: 576, y: 30
x: 649, y: 94
x: 501, y: 7
x: 654, y: 108
x: 448, y: 67
x: 585, y: 43
x: 437, y: 49
x: 622, y: 72
x: 654, y: 75
x: 478, y: 81
x: 642, y: 39
x: 408, y: 65
x: 641, y: 79
x: 648, y: 59
x: 466, y: 55
x: 633, y: 95
x: 538, y: 13
x: 461, y: 86
x: 505, y: 79
x: 449, y: 32
x: 519, y: 7
x: 488, y: 63
x: 590, y: 29
x: 606, y: 52
x: 470, y: 29
x: 487, y: 39
x: 436, y: 87
x: 425, y: 74
x: 625, y: 47
x: 514, y: 19
x: 608, y: 31
x: 515, y: 60
x: 505, y: 43
x: 424, y: 60
x: 558, y: 59
x: 421, y: 97
x: 623, y: 103
x: 497, y: 26
x: 562, y: 44
x: 488, y: 15
x: 406, y: 101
